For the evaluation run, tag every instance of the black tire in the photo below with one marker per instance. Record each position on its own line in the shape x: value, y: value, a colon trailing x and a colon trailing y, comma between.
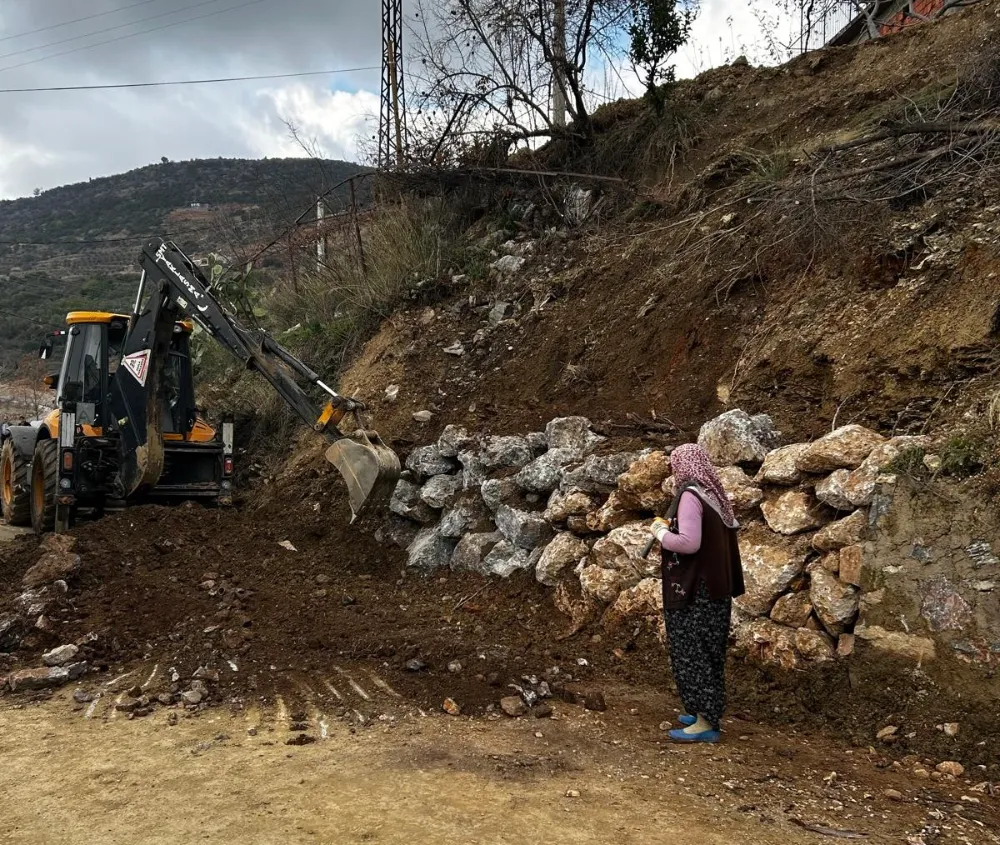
x: 44, y: 480
x: 15, y: 490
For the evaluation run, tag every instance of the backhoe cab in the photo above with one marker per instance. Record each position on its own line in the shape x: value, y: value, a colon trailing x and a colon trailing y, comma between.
x: 69, y: 460
x: 126, y: 427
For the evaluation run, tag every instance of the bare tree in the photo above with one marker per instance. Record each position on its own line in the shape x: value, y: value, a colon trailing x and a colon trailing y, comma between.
x: 487, y: 71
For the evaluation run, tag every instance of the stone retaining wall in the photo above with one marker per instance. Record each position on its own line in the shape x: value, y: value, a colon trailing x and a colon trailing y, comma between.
x: 833, y: 549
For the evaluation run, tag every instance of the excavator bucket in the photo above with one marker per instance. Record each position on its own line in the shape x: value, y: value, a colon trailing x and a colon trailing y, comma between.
x: 369, y: 468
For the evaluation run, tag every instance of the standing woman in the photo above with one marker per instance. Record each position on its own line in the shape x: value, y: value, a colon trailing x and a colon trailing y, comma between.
x: 702, y: 573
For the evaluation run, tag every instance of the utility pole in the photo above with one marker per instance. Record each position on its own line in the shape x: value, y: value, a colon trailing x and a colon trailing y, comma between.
x: 392, y: 116
x: 320, y: 236
x: 559, y: 64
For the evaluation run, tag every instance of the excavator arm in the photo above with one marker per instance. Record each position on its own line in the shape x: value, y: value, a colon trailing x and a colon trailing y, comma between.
x: 171, y: 289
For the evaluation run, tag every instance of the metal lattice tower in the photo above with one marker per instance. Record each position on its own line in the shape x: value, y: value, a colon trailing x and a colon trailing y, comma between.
x: 392, y: 118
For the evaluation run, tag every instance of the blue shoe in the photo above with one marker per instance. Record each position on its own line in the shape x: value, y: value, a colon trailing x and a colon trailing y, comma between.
x: 704, y: 736
x: 687, y: 719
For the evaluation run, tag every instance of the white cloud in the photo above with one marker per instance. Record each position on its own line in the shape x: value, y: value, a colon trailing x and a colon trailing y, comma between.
x: 50, y: 139
x: 334, y: 120
x: 17, y: 158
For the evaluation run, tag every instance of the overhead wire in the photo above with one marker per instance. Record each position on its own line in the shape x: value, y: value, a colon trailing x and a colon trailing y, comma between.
x: 29, y: 319
x: 75, y: 20
x: 117, y: 239
x: 109, y: 29
x: 253, y: 78
x: 134, y: 34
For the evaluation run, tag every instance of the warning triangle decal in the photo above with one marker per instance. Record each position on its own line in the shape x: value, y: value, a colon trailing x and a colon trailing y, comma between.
x: 138, y: 364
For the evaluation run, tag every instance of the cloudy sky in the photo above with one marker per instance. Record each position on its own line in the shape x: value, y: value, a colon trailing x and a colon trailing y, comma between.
x: 53, y: 138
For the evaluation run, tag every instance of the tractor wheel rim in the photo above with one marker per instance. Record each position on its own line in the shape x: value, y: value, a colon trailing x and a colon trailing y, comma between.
x: 8, y: 482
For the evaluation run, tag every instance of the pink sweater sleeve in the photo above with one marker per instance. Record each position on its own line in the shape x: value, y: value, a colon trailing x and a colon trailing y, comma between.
x: 687, y: 540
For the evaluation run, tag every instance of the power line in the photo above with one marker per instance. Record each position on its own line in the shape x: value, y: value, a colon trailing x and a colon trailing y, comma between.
x: 187, y: 81
x: 120, y: 239
x: 75, y: 20
x: 134, y: 34
x: 108, y: 29
x: 29, y: 319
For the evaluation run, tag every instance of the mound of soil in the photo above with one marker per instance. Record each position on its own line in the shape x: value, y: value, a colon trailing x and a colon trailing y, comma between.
x: 188, y: 587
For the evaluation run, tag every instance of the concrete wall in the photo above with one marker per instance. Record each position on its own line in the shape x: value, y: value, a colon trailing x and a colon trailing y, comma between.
x: 931, y: 573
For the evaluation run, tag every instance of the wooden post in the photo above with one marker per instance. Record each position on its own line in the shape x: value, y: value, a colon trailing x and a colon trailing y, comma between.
x: 320, y: 236
x: 357, y: 229
x: 559, y: 64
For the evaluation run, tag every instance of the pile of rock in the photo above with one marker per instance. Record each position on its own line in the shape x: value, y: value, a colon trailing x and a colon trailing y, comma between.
x: 562, y: 504
x: 44, y: 583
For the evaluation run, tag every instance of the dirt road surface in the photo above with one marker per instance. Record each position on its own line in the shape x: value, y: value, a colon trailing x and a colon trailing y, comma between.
x: 576, y: 779
x: 9, y: 532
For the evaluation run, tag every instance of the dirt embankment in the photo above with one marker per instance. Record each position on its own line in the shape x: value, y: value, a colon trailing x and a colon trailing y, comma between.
x: 762, y: 266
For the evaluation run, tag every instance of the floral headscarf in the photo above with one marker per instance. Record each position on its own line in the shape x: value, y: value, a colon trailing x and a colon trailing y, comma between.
x: 690, y: 463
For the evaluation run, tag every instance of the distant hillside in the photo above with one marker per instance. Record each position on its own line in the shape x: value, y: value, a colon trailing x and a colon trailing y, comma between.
x: 76, y: 245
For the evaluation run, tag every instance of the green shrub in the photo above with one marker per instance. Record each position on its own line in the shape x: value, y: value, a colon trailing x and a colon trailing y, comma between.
x: 962, y: 456
x: 909, y: 462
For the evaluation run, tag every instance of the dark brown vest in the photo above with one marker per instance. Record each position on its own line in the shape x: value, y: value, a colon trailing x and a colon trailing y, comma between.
x: 717, y: 563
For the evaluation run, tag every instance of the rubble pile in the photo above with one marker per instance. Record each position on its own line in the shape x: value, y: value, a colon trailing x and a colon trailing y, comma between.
x: 46, y: 592
x: 562, y: 505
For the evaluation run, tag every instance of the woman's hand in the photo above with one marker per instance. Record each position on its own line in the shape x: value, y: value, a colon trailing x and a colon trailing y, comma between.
x: 659, y: 527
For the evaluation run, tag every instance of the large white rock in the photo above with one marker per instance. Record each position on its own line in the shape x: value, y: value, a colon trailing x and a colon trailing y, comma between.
x: 440, y: 490
x: 793, y: 512
x: 598, y: 473
x: 498, y: 491
x: 614, y: 513
x: 544, y: 473
x: 910, y: 646
x: 573, y: 434
x: 737, y: 438
x: 61, y: 655
x: 505, y: 559
x: 740, y: 489
x: 643, y: 601
x: 814, y: 645
x: 563, y: 553
x: 427, y: 461
x: 406, y: 502
x: 792, y: 609
x: 429, y: 551
x: 604, y: 585
x: 472, y: 549
x: 473, y: 470
x: 769, y: 568
x: 506, y: 452
x: 844, y: 532
x: 779, y: 466
x: 766, y: 642
x: 832, y: 490
x: 621, y: 550
x: 605, y: 469
x: 525, y: 529
x: 563, y: 505
x: 844, y: 448
x: 859, y: 487
x: 641, y: 485
x: 836, y: 603
x: 458, y: 519
x: 454, y: 440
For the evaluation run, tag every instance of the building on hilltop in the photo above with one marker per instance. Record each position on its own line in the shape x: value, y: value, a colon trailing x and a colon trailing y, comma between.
x: 835, y: 23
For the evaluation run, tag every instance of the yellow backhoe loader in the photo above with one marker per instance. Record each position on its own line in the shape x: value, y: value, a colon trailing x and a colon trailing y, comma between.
x: 126, y: 428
